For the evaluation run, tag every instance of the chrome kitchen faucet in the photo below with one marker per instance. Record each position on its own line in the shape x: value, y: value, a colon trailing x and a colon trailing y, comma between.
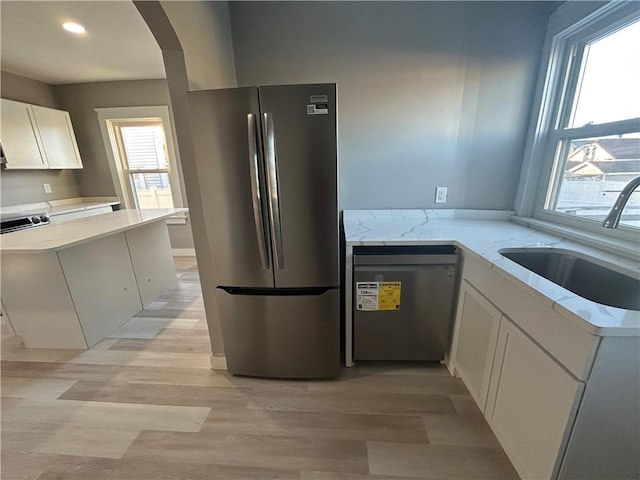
x: 613, y: 218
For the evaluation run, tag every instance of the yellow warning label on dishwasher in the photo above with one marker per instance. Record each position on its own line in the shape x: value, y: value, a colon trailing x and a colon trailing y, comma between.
x: 372, y: 296
x: 389, y: 296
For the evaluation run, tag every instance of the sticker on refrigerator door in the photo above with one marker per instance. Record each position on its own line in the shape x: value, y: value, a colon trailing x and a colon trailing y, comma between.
x: 373, y: 296
x: 318, y: 109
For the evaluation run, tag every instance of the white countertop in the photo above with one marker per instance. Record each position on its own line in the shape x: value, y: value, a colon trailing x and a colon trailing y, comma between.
x: 57, y: 207
x: 55, y: 237
x: 484, y: 233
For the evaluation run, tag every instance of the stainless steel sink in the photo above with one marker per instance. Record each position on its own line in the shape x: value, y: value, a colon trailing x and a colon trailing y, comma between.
x: 580, y: 274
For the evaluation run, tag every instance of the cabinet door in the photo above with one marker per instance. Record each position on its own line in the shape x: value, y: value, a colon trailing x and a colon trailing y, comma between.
x: 150, y: 252
x: 474, y: 341
x: 102, y: 285
x: 531, y: 404
x: 36, y: 296
x: 58, y: 138
x: 19, y: 136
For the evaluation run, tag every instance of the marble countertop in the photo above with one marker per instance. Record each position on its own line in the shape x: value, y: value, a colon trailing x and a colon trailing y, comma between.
x: 55, y: 237
x: 58, y: 207
x: 484, y: 233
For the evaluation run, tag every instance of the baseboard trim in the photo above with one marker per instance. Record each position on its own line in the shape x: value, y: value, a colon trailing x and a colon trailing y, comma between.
x: 183, y: 252
x: 219, y: 362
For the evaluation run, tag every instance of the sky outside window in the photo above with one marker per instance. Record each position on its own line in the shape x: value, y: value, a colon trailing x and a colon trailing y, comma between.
x: 610, y: 88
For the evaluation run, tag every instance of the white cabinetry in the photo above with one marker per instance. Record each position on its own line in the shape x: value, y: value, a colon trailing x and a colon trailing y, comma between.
x: 154, y: 270
x: 476, y: 333
x: 109, y: 296
x: 35, y: 137
x: 528, y: 399
x: 75, y: 294
x: 72, y: 298
x: 20, y: 142
x: 531, y: 404
x: 37, y: 299
x: 525, y: 366
x: 58, y: 137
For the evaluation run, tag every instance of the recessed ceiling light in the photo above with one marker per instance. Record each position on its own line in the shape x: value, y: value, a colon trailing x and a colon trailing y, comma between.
x: 74, y: 28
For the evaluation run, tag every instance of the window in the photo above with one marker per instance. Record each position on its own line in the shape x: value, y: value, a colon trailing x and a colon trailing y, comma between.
x: 587, y: 142
x: 139, y: 143
x: 145, y: 162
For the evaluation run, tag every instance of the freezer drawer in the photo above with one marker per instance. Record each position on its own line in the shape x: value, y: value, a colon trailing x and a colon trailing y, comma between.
x: 282, y: 336
x: 413, y: 321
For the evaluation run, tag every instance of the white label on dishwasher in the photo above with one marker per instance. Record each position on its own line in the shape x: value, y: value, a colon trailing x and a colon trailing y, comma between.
x: 372, y: 296
x: 367, y: 295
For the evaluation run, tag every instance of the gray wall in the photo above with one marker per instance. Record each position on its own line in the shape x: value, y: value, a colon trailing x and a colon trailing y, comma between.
x: 178, y: 32
x: 23, y: 89
x: 205, y: 36
x: 80, y: 100
x: 430, y: 93
x: 22, y: 186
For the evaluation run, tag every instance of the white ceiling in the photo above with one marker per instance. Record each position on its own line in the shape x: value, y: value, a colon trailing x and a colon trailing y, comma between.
x: 118, y: 44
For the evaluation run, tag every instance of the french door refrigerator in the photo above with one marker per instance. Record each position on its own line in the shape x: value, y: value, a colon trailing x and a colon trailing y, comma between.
x: 267, y: 162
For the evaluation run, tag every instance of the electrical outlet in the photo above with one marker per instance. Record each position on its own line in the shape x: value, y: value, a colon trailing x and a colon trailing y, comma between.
x: 47, y: 188
x: 441, y: 194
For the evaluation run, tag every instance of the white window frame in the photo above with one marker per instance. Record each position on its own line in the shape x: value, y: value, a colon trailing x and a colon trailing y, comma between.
x: 127, y: 171
x: 108, y: 118
x: 571, y: 23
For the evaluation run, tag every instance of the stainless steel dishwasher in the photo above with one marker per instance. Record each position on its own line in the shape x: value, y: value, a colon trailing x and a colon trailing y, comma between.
x: 403, y: 301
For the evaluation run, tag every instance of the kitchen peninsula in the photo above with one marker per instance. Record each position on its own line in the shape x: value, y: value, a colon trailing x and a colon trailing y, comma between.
x: 556, y: 375
x: 481, y: 234
x: 69, y: 285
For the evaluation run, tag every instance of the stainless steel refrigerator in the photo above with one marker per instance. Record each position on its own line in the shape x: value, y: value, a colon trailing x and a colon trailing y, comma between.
x: 267, y: 161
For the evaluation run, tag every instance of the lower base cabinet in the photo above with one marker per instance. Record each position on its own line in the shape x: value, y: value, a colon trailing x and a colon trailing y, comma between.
x: 150, y: 252
x: 527, y: 397
x: 476, y: 333
x: 71, y: 298
x: 102, y: 285
x: 531, y: 404
x: 74, y: 297
x: 562, y: 402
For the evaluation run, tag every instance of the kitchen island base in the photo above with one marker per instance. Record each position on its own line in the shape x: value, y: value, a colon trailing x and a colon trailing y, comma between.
x: 74, y: 297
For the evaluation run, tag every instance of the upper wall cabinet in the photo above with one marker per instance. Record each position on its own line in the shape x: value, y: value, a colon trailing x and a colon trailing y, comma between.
x: 18, y: 133
x: 35, y: 137
x: 58, y: 138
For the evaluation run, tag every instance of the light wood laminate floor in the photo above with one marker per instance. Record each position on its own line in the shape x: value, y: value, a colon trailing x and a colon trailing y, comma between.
x: 145, y: 405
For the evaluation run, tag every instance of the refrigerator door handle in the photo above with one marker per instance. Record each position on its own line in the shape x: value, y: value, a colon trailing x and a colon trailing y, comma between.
x: 272, y: 181
x: 255, y: 191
